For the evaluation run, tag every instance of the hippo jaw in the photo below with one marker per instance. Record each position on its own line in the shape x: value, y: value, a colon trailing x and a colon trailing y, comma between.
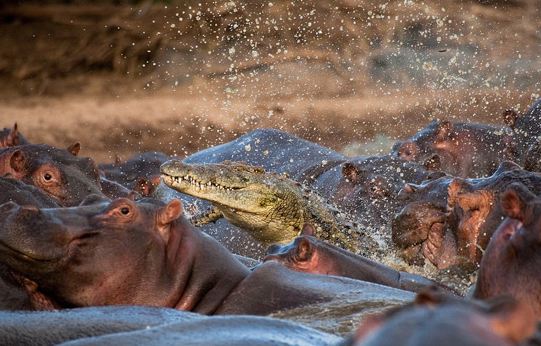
x: 20, y: 248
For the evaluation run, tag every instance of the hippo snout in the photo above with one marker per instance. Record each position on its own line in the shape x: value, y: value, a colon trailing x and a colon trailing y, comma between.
x: 407, y: 230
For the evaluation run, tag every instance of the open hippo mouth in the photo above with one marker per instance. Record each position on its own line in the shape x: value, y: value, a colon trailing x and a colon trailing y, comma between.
x: 422, y: 233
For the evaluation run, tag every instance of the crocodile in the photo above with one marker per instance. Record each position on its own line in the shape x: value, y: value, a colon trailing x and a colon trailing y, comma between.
x: 273, y: 207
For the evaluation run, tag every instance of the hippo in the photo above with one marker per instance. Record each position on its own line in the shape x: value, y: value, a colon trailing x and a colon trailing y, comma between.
x: 140, y: 173
x: 126, y: 252
x: 449, y: 221
x: 13, y: 293
x: 58, y: 172
x: 11, y: 137
x: 435, y: 320
x: 151, y: 325
x: 512, y: 258
x: 114, y: 190
x: 311, y: 255
x: 463, y: 149
x: 527, y: 126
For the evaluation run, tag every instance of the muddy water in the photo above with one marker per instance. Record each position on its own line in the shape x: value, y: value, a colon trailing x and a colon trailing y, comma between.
x: 342, y: 315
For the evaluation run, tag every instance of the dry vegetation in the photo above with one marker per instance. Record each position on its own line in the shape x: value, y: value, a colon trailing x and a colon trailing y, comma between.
x: 182, y: 76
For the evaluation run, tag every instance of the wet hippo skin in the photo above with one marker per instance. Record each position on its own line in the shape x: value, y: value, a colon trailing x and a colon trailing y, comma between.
x: 510, y: 265
x: 222, y: 330
x: 146, y: 253
x: 50, y: 328
x: 311, y: 255
x: 433, y: 319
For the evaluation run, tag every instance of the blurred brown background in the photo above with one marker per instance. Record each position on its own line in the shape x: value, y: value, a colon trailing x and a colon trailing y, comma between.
x: 178, y: 76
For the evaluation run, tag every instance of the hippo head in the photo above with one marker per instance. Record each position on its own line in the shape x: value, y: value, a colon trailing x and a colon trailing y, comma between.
x: 434, y: 138
x: 512, y: 259
x: 421, y: 228
x: 59, y: 173
x: 436, y: 319
x: 301, y: 255
x: 368, y: 184
x: 140, y: 173
x: 102, y: 253
x: 449, y: 221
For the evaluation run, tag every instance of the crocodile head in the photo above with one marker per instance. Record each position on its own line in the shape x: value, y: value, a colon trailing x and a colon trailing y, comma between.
x: 247, y: 196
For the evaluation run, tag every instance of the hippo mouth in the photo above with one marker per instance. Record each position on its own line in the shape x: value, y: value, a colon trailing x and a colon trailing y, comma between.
x: 429, y: 247
x: 424, y: 236
x: 38, y: 260
x: 12, y: 252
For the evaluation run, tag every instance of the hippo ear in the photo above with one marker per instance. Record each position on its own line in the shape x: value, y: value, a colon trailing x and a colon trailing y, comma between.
x: 166, y: 215
x: 144, y: 187
x: 303, y: 249
x: 512, y: 320
x: 171, y: 212
x: 433, y: 163
x: 17, y: 162
x: 12, y: 138
x: 444, y: 129
x: 378, y: 187
x: 407, y: 150
x: 515, y: 200
x: 74, y: 148
x: 308, y: 229
x: 351, y: 172
x: 434, y: 295
x: 510, y: 117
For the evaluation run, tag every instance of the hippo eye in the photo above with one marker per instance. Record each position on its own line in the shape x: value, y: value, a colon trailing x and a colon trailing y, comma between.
x: 124, y: 210
x: 47, y: 176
